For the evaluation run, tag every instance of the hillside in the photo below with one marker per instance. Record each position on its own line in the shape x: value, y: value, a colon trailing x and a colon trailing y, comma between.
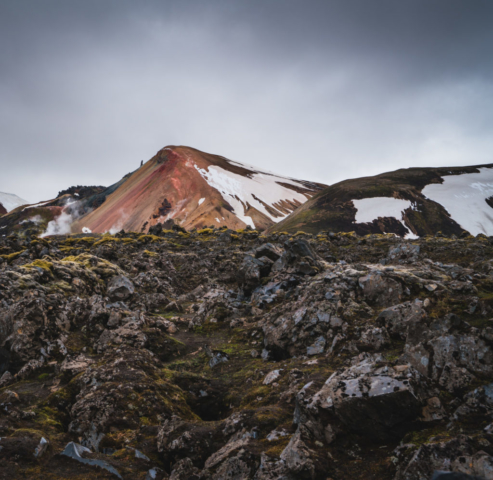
x: 409, y: 202
x: 192, y: 188
x: 197, y: 189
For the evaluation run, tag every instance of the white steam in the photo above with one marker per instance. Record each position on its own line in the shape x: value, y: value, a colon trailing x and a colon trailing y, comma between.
x: 36, y: 219
x: 118, y: 225
x: 61, y: 225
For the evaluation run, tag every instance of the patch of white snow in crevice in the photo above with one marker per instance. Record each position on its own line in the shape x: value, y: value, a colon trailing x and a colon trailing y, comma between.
x: 217, y: 220
x: 369, y: 209
x: 239, y: 190
x: 201, y: 201
x: 464, y: 197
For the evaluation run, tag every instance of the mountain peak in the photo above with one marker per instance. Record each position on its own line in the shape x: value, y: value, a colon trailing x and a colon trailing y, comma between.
x: 198, y: 189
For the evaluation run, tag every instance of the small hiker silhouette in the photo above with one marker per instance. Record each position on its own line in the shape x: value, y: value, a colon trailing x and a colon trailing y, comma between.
x: 141, y: 163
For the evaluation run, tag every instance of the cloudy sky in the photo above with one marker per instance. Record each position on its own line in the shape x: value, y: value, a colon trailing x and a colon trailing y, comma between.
x: 319, y: 90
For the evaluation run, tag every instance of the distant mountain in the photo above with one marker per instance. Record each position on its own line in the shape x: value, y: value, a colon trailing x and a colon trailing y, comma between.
x: 193, y: 188
x: 52, y: 216
x: 196, y: 189
x: 10, y: 201
x: 409, y: 202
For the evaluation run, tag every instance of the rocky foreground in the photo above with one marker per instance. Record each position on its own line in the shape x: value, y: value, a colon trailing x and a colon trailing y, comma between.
x: 232, y: 355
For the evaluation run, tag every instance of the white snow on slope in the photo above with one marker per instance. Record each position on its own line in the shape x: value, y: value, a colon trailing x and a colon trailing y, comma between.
x: 463, y: 196
x: 36, y: 205
x: 11, y: 201
x: 370, y: 209
x: 237, y: 190
x: 201, y: 201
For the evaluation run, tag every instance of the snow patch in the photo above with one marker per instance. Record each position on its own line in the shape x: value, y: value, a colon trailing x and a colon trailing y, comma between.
x: 201, y: 201
x: 36, y: 205
x: 464, y: 197
x: 11, y: 201
x: 256, y: 190
x: 86, y: 230
x: 217, y: 220
x: 369, y: 209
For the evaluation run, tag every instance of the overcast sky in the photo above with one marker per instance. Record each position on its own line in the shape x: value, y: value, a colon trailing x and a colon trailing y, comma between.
x: 318, y: 90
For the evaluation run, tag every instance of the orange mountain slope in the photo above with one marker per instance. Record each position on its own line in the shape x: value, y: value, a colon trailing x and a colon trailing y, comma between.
x: 197, y: 189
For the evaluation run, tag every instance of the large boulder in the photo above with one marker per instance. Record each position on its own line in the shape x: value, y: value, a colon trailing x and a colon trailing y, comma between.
x: 399, y: 319
x: 299, y: 257
x: 120, y: 288
x: 380, y: 290
x: 249, y: 274
x: 461, y: 454
x: 367, y: 399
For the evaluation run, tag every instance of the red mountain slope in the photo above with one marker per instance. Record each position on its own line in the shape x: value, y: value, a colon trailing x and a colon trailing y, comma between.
x: 197, y: 189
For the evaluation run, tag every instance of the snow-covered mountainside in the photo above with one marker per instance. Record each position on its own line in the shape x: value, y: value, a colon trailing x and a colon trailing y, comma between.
x: 11, y: 201
x: 409, y: 202
x: 197, y: 189
x: 466, y: 199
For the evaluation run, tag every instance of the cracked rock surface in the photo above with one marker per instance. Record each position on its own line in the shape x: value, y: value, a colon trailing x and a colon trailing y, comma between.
x: 216, y: 354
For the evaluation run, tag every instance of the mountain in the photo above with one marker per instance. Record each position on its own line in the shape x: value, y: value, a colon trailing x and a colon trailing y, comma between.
x: 193, y: 188
x: 10, y: 201
x: 53, y: 216
x: 3, y: 210
x: 409, y: 202
x: 196, y: 189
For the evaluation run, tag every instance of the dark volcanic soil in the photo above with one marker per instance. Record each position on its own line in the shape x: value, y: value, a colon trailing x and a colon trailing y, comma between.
x: 231, y: 355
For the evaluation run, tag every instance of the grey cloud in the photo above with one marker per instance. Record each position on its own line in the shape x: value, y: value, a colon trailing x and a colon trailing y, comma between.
x: 318, y: 90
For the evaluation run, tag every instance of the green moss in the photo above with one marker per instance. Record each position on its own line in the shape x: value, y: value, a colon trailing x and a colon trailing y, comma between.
x: 205, y: 231
x: 28, y: 432
x: 49, y: 417
x: 151, y: 254
x: 277, y: 447
x: 89, y: 240
x: 128, y: 241
x: 148, y: 239
x: 418, y: 438
x: 105, y: 240
x: 11, y: 256
x: 43, y: 264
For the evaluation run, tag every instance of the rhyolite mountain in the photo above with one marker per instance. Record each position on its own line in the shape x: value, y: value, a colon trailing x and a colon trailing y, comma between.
x: 192, y: 188
x: 197, y: 189
x: 408, y: 202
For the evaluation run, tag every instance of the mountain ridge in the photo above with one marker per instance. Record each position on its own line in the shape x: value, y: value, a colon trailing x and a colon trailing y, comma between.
x: 335, y: 208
